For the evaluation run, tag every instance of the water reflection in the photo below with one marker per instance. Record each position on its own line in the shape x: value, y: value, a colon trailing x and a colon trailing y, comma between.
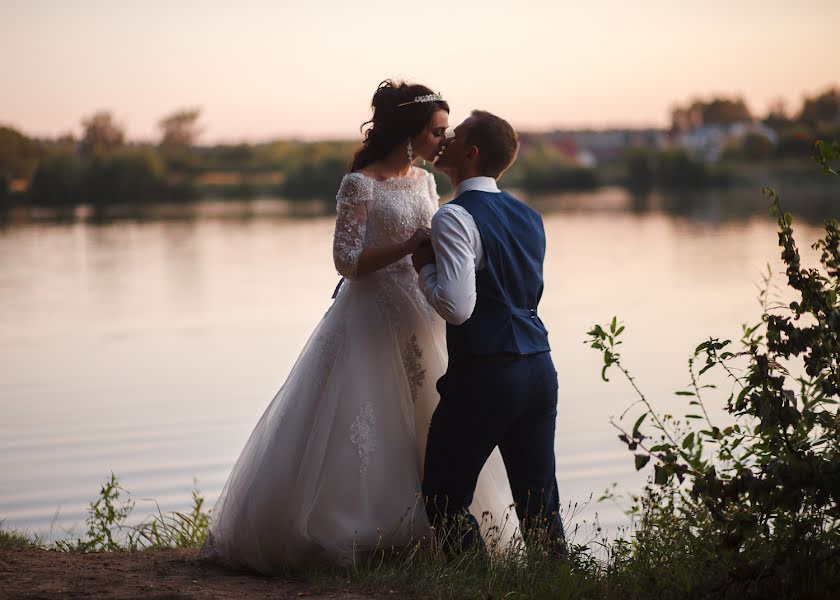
x: 811, y: 201
x: 810, y: 204
x: 150, y: 347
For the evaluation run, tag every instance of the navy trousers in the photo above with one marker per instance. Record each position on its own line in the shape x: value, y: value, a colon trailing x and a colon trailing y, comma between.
x: 504, y: 401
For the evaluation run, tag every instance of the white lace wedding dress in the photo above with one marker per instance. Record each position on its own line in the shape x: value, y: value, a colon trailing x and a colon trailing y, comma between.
x: 333, y: 468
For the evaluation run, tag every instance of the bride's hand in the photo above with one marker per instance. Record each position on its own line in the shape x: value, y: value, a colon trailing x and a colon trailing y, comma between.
x: 421, y: 236
x: 424, y: 255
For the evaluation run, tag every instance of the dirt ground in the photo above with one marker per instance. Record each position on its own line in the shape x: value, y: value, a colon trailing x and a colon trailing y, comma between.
x: 153, y: 575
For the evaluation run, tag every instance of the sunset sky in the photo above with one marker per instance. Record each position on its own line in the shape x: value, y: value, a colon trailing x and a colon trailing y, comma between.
x: 264, y: 69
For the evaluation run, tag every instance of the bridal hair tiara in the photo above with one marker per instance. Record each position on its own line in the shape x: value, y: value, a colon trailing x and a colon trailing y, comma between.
x: 436, y: 97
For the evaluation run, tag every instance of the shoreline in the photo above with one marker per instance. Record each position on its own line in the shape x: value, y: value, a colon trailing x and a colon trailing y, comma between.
x: 172, y: 574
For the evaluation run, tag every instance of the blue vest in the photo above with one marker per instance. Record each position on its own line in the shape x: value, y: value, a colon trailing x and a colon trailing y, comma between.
x: 509, y: 287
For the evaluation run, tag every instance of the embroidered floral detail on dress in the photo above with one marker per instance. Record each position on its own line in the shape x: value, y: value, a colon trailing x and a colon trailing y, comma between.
x: 362, y: 434
x: 387, y: 300
x: 411, y: 356
x: 327, y: 342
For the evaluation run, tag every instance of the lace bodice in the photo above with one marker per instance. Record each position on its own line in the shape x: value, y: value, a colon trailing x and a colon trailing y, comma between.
x: 373, y: 213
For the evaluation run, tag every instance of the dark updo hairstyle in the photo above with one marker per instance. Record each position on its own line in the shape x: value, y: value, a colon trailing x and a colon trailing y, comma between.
x: 391, y: 124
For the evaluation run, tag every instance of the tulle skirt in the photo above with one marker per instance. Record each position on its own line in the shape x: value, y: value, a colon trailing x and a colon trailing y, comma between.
x: 333, y: 468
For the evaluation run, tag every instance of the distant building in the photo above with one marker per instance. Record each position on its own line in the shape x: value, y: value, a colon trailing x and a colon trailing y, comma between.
x: 708, y: 142
x: 588, y: 148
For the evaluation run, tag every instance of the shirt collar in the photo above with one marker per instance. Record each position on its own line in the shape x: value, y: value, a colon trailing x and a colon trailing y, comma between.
x: 479, y: 184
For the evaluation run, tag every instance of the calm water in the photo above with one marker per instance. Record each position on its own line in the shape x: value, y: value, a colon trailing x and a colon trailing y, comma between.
x: 151, y: 349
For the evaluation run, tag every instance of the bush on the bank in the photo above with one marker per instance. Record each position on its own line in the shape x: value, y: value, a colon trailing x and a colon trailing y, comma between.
x: 5, y: 192
x: 541, y: 167
x: 19, y: 155
x: 750, y: 507
x: 57, y: 181
x: 126, y: 177
x: 640, y: 165
x: 548, y: 177
x: 673, y: 169
x: 309, y: 179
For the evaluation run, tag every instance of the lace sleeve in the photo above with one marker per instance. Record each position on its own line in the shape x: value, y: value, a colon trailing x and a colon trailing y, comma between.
x: 350, y: 224
x: 433, y: 193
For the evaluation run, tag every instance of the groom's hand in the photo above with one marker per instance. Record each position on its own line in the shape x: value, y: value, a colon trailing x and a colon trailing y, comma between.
x: 424, y: 255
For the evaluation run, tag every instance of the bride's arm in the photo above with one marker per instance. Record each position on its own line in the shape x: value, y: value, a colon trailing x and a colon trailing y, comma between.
x: 373, y: 259
x: 352, y: 259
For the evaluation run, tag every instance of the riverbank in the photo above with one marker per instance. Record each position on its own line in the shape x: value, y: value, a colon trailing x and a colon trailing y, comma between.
x: 173, y: 574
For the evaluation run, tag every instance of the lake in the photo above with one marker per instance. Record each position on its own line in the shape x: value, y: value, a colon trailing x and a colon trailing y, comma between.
x: 151, y: 347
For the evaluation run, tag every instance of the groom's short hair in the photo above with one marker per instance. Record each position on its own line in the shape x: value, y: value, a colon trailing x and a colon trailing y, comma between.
x: 496, y: 141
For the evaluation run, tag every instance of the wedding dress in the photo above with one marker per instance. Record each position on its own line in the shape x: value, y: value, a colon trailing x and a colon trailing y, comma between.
x: 333, y: 468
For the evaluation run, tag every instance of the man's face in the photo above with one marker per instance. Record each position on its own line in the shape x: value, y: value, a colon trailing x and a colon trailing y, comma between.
x: 455, y: 149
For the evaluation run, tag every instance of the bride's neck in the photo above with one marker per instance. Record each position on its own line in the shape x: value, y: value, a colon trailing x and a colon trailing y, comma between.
x: 395, y: 163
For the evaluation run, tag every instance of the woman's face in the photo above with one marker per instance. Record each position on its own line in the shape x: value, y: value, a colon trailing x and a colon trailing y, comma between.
x: 428, y: 142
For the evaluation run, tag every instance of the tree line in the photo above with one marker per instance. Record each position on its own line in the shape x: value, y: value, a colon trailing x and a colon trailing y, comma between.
x: 102, y: 167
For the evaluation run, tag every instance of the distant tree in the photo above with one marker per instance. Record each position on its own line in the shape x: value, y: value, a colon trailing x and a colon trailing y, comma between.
x: 19, y: 155
x: 722, y: 111
x: 102, y: 135
x: 777, y: 114
x: 128, y: 177
x: 280, y: 150
x: 686, y: 118
x: 755, y: 146
x: 822, y: 109
x: 238, y: 153
x: 5, y: 194
x: 795, y: 141
x: 180, y: 129
x: 57, y: 182
x: 66, y: 142
x: 717, y: 111
x: 641, y: 169
x: 313, y: 179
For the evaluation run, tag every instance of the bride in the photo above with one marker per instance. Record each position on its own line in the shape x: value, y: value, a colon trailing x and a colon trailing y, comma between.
x: 333, y: 467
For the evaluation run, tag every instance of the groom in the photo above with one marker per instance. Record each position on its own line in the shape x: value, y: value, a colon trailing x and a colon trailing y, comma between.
x: 483, y: 273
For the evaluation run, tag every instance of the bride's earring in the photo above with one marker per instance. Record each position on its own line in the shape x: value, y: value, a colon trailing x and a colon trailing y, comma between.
x: 410, y: 152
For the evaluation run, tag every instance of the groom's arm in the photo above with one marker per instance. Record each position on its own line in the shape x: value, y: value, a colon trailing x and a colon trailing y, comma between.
x: 449, y: 283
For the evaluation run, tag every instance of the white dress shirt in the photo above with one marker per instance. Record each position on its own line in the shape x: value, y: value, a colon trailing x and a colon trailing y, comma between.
x: 449, y: 283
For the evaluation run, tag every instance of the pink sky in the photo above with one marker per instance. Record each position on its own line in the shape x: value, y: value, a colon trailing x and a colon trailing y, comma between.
x: 264, y: 69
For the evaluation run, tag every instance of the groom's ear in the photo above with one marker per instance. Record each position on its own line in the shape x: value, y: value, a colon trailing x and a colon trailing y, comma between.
x: 472, y: 153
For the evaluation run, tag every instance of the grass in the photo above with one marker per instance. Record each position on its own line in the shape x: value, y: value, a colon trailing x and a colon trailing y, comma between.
x: 12, y: 539
x: 420, y: 569
x: 108, y: 529
x: 667, y: 556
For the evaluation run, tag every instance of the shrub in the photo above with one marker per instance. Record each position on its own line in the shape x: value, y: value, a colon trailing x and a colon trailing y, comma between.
x: 751, y: 506
x: 57, y: 181
x: 108, y: 529
x: 127, y: 177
